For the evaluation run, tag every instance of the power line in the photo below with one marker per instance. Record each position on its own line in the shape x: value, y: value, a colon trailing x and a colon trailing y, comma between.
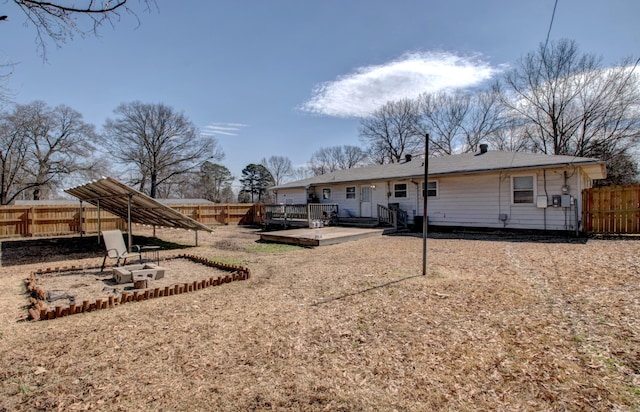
x: 553, y: 15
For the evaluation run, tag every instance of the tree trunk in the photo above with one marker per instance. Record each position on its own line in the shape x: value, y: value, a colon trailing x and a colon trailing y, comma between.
x: 153, y: 189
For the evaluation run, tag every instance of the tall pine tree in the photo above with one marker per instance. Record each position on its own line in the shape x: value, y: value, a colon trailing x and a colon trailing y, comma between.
x: 255, y: 180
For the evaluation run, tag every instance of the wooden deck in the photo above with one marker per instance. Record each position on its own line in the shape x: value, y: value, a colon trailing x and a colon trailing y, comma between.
x: 319, y: 237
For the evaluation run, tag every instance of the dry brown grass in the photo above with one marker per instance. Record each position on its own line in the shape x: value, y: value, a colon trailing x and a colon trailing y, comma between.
x: 496, y: 325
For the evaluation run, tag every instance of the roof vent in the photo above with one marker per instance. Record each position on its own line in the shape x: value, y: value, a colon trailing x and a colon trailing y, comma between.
x: 483, y: 148
x: 407, y: 158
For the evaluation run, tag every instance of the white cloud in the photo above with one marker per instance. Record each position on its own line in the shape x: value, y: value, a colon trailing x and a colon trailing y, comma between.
x: 226, y: 129
x: 366, y: 89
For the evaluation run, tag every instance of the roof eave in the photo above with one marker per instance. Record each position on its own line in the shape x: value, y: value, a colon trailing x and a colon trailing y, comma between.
x: 595, y: 169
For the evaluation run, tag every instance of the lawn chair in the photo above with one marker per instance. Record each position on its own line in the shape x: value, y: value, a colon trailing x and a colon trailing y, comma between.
x: 116, y: 249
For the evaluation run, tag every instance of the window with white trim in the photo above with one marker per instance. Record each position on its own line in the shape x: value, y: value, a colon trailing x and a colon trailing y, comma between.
x: 400, y: 190
x: 432, y: 189
x: 351, y: 192
x: 326, y: 194
x: 523, y: 189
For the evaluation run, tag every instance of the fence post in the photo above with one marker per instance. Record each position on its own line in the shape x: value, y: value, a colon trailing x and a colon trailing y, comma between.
x: 24, y: 229
x: 80, y: 219
x: 30, y: 221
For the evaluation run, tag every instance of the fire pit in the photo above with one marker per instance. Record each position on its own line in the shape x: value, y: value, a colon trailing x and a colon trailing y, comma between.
x: 138, y: 274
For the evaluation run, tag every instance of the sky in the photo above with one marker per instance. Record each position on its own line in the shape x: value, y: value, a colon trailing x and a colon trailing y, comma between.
x: 288, y: 77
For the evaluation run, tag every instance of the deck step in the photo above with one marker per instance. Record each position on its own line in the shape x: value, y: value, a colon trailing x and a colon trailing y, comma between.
x: 363, y: 222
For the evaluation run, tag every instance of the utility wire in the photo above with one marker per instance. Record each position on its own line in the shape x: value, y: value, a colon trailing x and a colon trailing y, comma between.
x: 553, y: 15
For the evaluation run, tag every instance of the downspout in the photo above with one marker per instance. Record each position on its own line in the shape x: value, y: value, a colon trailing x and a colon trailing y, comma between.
x: 546, y: 195
x: 575, y: 204
x: 388, y: 194
x: 417, y: 196
x: 566, y: 218
x: 579, y: 204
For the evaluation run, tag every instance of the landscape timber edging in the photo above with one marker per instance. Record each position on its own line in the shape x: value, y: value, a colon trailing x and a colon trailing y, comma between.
x: 38, y: 308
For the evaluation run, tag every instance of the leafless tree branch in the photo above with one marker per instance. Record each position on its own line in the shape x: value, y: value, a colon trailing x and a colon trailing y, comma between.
x: 59, y: 21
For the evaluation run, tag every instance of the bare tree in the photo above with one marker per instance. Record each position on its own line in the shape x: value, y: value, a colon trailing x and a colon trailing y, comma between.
x: 442, y: 115
x: 61, y: 20
x: 510, y: 135
x: 40, y: 147
x: 6, y: 70
x: 13, y: 154
x: 622, y: 169
x: 214, y: 180
x: 458, y: 121
x: 485, y: 119
x: 157, y: 144
x: 352, y: 156
x: 330, y: 159
x: 210, y: 183
x: 390, y: 131
x: 60, y: 142
x: 279, y: 166
x: 302, y: 172
x: 570, y: 104
x: 324, y: 161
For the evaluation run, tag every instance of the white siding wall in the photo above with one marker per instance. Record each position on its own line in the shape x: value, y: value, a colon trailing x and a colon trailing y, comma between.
x: 467, y: 201
x: 412, y: 204
x: 339, y: 196
x: 478, y: 201
x: 291, y: 196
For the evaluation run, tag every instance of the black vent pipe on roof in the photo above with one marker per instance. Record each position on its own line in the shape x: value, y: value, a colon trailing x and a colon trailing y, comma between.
x: 483, y: 148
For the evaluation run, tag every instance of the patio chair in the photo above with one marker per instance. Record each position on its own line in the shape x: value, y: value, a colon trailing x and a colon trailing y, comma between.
x: 116, y: 248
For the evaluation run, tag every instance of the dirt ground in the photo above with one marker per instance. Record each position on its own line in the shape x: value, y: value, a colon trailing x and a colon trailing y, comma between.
x: 498, y: 323
x: 66, y: 286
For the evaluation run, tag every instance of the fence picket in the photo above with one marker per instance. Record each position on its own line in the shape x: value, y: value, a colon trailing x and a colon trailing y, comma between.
x: 612, y: 209
x: 68, y: 219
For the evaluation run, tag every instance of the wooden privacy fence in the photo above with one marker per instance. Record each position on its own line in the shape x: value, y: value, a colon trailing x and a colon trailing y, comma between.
x: 611, y: 209
x: 48, y: 220
x: 223, y: 214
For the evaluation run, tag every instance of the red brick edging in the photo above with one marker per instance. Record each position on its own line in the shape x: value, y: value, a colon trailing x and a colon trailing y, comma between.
x: 39, y: 310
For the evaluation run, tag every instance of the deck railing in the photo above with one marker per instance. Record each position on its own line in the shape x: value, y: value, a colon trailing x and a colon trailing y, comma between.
x: 323, y: 211
x: 300, y: 214
x: 395, y: 217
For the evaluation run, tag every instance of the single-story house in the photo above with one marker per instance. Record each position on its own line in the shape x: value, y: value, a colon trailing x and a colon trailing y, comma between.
x: 489, y: 189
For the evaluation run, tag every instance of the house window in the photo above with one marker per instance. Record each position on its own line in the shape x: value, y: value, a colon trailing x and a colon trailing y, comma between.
x: 326, y: 194
x: 432, y: 189
x: 523, y: 189
x: 351, y: 192
x: 400, y: 190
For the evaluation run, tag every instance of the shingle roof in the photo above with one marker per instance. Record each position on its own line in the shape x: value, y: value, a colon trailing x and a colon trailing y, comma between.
x: 451, y: 165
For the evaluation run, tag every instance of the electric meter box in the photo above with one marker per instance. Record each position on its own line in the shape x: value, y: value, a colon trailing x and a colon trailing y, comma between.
x: 541, y: 202
x: 566, y: 200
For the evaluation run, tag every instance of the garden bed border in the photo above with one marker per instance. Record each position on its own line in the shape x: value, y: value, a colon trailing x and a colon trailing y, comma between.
x: 38, y: 309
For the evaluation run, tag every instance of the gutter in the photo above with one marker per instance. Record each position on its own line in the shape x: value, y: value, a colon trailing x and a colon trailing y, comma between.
x: 420, y: 175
